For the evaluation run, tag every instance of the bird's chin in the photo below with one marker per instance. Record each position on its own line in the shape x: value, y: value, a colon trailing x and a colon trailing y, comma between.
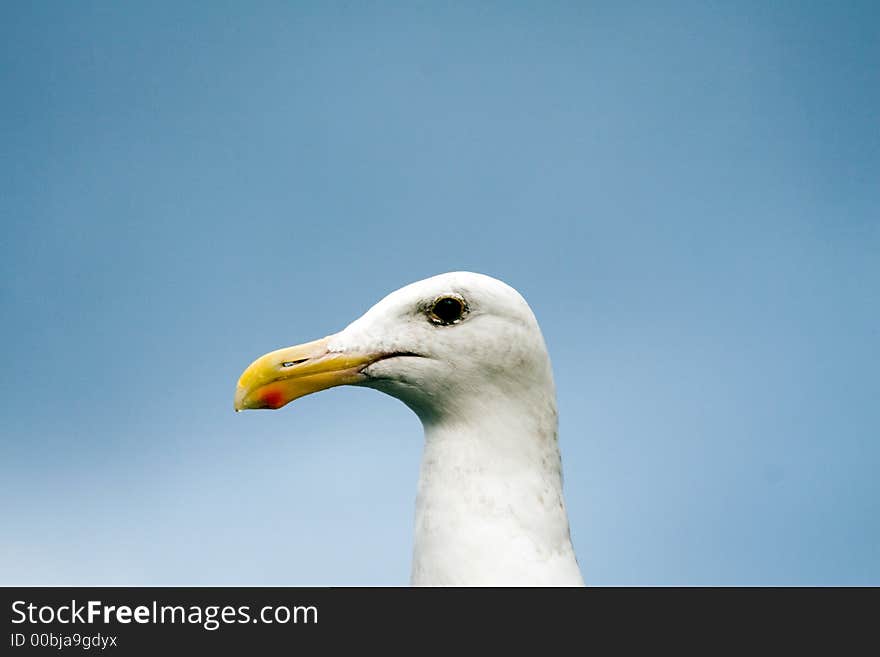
x: 405, y: 377
x: 395, y: 370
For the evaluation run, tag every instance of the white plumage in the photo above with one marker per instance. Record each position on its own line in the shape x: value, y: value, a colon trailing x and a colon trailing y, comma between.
x: 489, y: 508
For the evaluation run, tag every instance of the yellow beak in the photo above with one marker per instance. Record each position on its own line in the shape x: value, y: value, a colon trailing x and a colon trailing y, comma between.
x: 281, y: 376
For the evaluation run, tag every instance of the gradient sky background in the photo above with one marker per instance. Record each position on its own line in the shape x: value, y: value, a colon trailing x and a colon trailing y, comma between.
x: 686, y: 194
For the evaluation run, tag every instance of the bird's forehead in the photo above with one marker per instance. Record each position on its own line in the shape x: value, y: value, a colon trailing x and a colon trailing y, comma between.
x: 477, y: 289
x: 399, y: 310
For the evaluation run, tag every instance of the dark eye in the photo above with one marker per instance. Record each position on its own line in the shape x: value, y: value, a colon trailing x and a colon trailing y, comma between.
x: 447, y: 310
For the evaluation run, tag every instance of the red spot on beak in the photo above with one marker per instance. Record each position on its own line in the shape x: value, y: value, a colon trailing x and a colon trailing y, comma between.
x: 273, y: 398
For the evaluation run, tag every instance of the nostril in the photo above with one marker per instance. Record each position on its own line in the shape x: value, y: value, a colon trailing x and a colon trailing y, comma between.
x: 291, y: 363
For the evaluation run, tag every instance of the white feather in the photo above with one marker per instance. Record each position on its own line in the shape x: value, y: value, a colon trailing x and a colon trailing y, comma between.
x: 490, y: 508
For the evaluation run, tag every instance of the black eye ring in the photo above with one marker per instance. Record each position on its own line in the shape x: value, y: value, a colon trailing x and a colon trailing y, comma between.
x: 447, y: 310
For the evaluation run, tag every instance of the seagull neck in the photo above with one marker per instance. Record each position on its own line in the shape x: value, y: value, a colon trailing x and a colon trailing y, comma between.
x: 490, y: 507
x: 511, y: 445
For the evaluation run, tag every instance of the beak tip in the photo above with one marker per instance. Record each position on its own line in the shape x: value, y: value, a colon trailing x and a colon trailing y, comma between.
x: 240, y: 396
x: 277, y: 378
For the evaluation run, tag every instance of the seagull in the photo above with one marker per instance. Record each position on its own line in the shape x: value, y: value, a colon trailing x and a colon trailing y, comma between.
x: 465, y: 353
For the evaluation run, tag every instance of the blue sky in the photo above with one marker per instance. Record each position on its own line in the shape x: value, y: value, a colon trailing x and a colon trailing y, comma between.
x: 686, y: 194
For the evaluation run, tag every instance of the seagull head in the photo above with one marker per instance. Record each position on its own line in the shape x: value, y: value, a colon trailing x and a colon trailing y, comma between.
x: 442, y: 345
